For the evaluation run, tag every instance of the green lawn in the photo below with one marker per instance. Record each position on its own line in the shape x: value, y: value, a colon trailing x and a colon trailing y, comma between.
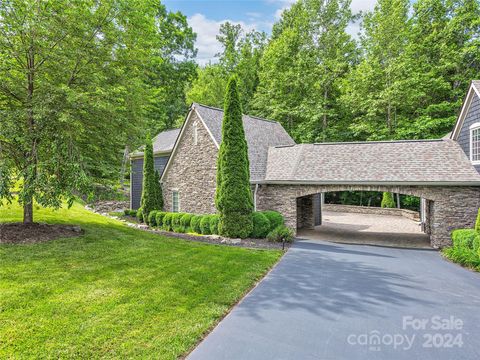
x: 115, y: 292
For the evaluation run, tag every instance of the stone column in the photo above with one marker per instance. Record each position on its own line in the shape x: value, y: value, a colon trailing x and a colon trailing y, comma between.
x: 305, y: 213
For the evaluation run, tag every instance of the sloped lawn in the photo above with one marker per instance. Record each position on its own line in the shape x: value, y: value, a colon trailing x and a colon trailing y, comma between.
x: 115, y: 292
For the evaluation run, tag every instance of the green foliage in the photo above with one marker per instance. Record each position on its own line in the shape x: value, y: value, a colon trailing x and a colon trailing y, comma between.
x: 214, y: 220
x: 280, y: 234
x: 465, y: 249
x: 233, y: 197
x: 177, y: 222
x: 261, y: 225
x: 150, y: 187
x: 152, y: 218
x: 195, y: 224
x: 477, y: 222
x: 167, y: 222
x: 139, y: 214
x: 387, y: 200
x: 80, y: 81
x: 159, y: 218
x: 129, y: 212
x: 275, y: 218
x: 158, y: 191
x: 205, y: 225
x: 185, y: 222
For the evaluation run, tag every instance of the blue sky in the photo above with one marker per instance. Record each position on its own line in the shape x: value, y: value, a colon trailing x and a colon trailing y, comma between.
x: 205, y: 17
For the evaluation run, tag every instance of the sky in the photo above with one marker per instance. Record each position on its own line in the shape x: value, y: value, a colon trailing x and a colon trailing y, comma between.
x: 205, y: 17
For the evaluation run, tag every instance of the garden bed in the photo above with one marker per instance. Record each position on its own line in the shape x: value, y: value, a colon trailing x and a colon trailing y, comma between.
x: 19, y: 233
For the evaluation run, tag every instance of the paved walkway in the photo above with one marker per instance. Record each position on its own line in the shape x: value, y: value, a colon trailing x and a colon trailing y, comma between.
x: 337, y: 301
x: 354, y: 228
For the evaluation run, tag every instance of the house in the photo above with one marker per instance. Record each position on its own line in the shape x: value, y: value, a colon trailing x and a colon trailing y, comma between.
x: 290, y: 177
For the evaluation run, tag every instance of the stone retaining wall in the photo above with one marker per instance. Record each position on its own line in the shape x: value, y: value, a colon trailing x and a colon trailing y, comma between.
x: 409, y: 214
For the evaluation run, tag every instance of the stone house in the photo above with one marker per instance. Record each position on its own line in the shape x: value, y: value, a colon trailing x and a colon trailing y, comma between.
x: 290, y: 178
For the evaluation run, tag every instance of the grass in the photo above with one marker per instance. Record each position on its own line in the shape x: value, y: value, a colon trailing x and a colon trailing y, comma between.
x: 115, y: 292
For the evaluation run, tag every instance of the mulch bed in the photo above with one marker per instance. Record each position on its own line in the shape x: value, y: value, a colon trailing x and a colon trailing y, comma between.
x: 19, y: 233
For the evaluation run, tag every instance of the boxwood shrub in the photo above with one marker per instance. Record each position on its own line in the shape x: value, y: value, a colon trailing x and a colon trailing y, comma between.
x: 205, y: 225
x: 167, y: 222
x: 261, y: 225
x: 466, y: 248
x: 176, y: 224
x: 195, y: 224
x: 185, y: 222
x: 140, y: 214
x: 214, y: 219
x: 152, y: 218
x: 159, y: 218
x: 276, y: 219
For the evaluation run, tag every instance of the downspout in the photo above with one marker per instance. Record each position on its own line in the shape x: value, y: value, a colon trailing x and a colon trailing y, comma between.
x: 255, y: 198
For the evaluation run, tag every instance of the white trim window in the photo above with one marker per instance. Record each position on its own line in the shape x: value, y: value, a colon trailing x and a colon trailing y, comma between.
x: 195, y: 133
x: 475, y: 143
x: 175, y: 201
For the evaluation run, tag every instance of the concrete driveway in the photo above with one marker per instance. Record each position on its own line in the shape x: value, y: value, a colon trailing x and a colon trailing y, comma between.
x: 336, y: 301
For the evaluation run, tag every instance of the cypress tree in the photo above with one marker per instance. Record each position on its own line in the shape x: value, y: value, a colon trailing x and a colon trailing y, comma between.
x: 158, y: 192
x: 233, y: 197
x: 387, y: 200
x: 148, y: 202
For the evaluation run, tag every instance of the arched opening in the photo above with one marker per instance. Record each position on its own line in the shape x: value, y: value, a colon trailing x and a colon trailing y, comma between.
x: 330, y: 217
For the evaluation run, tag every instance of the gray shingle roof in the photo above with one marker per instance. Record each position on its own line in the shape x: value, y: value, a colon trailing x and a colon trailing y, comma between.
x: 162, y: 143
x: 260, y: 135
x: 476, y: 85
x: 377, y: 162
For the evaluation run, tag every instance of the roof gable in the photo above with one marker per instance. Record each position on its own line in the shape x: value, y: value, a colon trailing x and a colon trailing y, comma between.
x: 162, y: 143
x: 474, y: 90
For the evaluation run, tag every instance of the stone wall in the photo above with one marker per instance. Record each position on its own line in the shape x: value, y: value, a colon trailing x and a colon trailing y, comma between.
x: 193, y: 171
x: 450, y: 207
x: 409, y: 214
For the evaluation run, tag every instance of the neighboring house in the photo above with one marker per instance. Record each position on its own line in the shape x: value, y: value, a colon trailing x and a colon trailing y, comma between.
x: 289, y: 178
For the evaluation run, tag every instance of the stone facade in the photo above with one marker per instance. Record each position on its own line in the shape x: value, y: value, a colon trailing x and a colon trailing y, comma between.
x: 192, y: 171
x: 409, y: 214
x: 449, y: 207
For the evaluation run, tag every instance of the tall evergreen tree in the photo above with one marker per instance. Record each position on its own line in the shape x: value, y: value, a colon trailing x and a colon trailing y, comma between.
x: 158, y: 192
x: 149, y: 187
x: 233, y: 195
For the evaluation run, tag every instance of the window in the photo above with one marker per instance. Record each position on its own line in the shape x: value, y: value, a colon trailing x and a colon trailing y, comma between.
x: 195, y: 133
x: 175, y: 201
x: 475, y: 143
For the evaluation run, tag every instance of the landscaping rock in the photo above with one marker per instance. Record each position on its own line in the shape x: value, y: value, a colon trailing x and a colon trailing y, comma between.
x: 108, y: 206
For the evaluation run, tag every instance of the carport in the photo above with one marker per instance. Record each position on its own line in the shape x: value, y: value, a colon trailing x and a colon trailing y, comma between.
x: 434, y: 170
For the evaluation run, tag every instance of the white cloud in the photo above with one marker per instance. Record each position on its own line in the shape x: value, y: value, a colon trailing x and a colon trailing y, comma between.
x: 207, y: 31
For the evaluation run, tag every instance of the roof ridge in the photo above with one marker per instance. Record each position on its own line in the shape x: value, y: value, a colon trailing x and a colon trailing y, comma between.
x: 250, y: 116
x: 367, y: 142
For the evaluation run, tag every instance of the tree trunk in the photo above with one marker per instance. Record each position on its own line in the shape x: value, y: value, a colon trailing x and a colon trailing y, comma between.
x: 28, y: 212
x: 325, y: 97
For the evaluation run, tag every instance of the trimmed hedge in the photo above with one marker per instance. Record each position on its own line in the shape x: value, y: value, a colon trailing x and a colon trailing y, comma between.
x: 167, y: 222
x: 140, y: 214
x: 205, y: 225
x: 276, y: 219
x: 176, y: 224
x: 195, y: 224
x: 152, y: 218
x: 159, y: 218
x: 261, y: 225
x: 465, y: 249
x: 185, y: 222
x: 214, y: 220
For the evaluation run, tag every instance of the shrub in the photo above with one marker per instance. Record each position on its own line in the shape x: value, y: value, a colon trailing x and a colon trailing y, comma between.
x: 152, y: 218
x: 387, y: 200
x: 261, y: 225
x: 233, y: 197
x: 280, y: 233
x: 176, y: 222
x: 185, y: 222
x: 129, y: 212
x: 140, y: 214
x: 167, y: 222
x: 205, y: 225
x: 214, y: 219
x: 159, y: 218
x: 195, y: 224
x: 275, y: 218
x: 465, y: 249
x: 477, y: 223
x: 149, y: 200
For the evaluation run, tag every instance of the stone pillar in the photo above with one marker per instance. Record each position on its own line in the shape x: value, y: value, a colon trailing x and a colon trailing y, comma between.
x: 305, y: 213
